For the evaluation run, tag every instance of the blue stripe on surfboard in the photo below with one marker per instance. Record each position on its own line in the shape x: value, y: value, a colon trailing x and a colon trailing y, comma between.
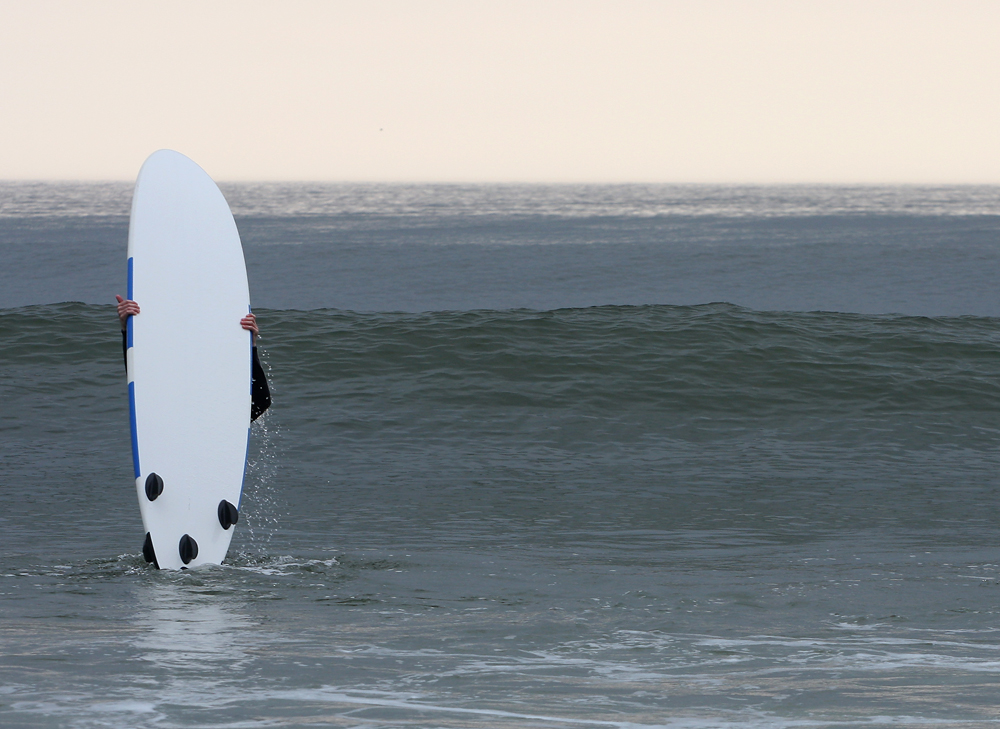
x: 128, y: 326
x: 244, y: 478
x: 135, y: 437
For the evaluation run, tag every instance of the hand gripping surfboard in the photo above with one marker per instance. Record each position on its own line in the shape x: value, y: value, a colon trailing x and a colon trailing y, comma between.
x: 188, y: 362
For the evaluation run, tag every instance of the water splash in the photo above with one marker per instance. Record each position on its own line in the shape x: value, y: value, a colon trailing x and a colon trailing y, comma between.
x: 262, y: 506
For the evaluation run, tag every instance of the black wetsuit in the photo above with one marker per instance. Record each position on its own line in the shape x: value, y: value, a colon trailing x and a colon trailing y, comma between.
x: 260, y: 393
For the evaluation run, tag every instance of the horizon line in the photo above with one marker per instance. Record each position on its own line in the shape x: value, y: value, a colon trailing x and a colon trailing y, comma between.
x: 507, y: 183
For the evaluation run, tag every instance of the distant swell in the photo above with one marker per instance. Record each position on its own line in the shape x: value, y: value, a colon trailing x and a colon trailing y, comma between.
x: 672, y: 363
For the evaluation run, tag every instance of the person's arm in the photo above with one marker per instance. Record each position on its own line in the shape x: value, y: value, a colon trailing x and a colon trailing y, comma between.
x: 260, y: 393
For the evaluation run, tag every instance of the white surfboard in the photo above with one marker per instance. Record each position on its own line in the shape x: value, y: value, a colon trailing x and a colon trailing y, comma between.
x: 188, y: 362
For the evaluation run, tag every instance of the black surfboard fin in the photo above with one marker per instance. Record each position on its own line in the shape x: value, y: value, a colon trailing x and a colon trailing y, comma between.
x: 147, y: 551
x: 228, y: 514
x: 154, y: 486
x: 188, y: 549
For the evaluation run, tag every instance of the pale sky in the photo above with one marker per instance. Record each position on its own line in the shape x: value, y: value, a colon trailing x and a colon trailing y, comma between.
x: 742, y: 91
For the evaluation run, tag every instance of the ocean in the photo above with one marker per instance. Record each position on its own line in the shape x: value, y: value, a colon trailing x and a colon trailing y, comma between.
x: 625, y: 456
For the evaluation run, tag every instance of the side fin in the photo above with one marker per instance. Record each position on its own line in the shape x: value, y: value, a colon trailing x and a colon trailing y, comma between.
x: 147, y: 551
